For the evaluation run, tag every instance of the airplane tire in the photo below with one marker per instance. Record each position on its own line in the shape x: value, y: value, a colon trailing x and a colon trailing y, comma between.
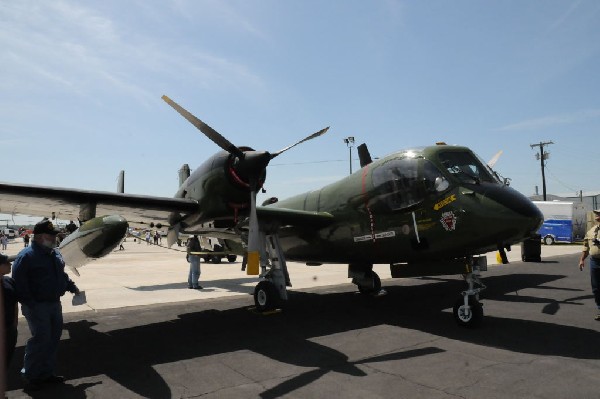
x: 371, y: 290
x: 231, y: 258
x: 265, y: 296
x: 473, y: 318
x: 216, y: 259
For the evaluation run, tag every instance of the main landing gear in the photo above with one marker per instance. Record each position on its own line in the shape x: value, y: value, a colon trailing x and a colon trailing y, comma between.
x: 266, y: 297
x: 271, y: 291
x: 367, y: 281
x: 468, y: 311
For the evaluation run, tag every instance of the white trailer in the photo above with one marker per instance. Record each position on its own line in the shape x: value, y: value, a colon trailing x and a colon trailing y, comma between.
x: 564, y: 221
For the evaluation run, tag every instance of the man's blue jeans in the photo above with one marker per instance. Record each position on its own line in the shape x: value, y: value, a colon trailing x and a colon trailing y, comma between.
x: 194, y: 273
x: 45, y: 322
x: 595, y: 275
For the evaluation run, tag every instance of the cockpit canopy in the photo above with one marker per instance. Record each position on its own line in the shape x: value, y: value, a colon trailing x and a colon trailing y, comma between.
x: 410, y: 178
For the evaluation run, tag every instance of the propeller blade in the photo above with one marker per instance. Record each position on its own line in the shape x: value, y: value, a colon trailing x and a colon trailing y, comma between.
x: 494, y: 159
x: 204, y: 128
x: 252, y: 266
x: 173, y: 234
x: 312, y: 136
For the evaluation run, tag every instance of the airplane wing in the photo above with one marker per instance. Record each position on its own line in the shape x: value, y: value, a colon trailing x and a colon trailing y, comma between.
x: 69, y: 204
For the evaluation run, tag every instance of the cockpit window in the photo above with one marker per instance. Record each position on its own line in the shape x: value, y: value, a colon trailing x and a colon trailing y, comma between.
x: 397, y: 184
x: 401, y: 183
x: 465, y: 167
x: 435, y: 182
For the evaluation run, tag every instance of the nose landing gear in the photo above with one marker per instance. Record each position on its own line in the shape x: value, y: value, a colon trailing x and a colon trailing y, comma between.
x: 468, y: 311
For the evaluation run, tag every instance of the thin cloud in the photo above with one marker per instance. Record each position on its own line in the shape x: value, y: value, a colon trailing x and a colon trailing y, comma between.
x: 79, y: 50
x: 219, y: 13
x: 550, y: 121
x: 565, y: 16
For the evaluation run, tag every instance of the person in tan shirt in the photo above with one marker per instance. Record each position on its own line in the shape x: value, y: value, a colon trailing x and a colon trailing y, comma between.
x: 591, y: 248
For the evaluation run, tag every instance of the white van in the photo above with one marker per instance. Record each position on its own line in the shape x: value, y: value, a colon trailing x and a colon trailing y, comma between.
x: 10, y: 233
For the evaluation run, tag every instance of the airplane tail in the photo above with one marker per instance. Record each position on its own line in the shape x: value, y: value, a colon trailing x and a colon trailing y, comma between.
x: 121, y: 182
x: 184, y: 173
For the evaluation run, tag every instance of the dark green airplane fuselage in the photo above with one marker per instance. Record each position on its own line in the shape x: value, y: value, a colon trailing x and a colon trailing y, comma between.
x: 437, y: 202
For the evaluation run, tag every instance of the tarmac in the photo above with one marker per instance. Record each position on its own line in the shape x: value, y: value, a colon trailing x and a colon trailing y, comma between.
x: 144, y: 334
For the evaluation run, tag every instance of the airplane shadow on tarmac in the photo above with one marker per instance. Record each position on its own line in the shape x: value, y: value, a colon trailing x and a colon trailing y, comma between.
x: 241, y: 285
x: 128, y: 356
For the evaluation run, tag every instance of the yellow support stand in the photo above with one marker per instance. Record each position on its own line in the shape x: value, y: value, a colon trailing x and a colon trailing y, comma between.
x: 252, y: 266
x: 498, y: 258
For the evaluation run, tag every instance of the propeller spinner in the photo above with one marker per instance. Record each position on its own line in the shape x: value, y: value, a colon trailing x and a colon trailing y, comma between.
x: 252, y: 163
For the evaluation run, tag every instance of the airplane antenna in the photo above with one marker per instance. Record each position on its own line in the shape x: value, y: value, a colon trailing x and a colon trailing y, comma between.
x: 121, y: 182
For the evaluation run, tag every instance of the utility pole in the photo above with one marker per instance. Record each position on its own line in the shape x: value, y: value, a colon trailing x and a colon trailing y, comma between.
x: 542, y: 156
x: 350, y: 143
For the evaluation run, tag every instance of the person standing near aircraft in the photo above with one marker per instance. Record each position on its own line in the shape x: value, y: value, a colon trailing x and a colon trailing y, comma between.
x: 193, y: 245
x: 71, y: 227
x: 11, y: 313
x: 591, y: 247
x: 40, y: 279
x: 26, y: 240
x: 4, y: 241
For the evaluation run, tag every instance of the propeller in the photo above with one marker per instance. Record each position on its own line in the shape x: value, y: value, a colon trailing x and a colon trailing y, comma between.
x: 252, y: 163
x: 494, y: 159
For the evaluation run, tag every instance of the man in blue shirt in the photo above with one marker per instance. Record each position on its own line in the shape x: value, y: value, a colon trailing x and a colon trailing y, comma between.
x: 40, y: 279
x: 9, y: 297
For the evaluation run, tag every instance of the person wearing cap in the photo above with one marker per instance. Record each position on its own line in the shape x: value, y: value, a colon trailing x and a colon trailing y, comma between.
x: 40, y: 279
x: 591, y: 247
x: 9, y: 296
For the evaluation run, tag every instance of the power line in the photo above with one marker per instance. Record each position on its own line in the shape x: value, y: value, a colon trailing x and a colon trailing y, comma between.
x: 307, y: 162
x: 560, y: 181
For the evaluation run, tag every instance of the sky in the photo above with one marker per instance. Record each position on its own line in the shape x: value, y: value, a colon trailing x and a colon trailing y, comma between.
x: 81, y: 86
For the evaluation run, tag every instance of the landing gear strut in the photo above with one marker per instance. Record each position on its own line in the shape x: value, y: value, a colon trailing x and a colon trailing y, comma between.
x: 468, y: 311
x: 271, y: 291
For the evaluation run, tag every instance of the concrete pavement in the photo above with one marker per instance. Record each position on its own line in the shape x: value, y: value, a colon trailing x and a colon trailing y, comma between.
x: 537, y: 339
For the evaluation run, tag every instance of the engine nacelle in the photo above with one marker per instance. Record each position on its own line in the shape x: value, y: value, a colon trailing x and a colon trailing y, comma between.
x: 221, y: 187
x: 93, y: 239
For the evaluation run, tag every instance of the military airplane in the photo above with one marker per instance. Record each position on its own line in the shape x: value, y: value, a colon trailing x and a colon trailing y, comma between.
x: 424, y: 211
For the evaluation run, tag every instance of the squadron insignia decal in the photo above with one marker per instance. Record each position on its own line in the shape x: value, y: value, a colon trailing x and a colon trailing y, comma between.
x: 444, y: 202
x: 448, y: 221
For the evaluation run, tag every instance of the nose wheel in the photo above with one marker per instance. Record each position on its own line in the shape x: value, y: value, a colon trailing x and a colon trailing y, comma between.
x: 468, y: 315
x: 468, y: 311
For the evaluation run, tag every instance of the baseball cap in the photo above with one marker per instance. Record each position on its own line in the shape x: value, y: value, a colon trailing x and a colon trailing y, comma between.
x: 3, y: 259
x: 597, y: 211
x: 44, y: 227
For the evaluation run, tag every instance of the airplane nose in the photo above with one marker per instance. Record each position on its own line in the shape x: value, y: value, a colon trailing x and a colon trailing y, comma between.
x: 533, y: 214
x: 529, y: 217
